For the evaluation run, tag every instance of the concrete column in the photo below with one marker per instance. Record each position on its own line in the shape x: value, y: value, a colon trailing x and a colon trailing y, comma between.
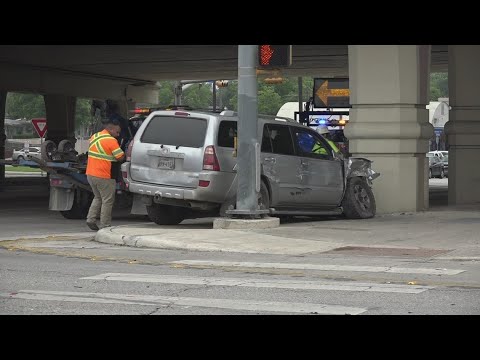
x: 389, y: 87
x: 124, y: 107
x: 60, y: 117
x: 3, y: 138
x: 463, y: 127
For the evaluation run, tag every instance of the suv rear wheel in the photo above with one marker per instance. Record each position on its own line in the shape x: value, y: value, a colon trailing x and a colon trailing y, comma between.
x: 359, y: 202
x: 165, y: 214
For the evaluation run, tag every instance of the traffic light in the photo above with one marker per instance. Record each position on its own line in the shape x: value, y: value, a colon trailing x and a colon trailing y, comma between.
x: 277, y: 80
x: 274, y: 56
x: 221, y: 83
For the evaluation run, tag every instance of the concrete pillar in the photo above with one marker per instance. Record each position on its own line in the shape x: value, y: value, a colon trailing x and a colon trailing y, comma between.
x: 389, y: 87
x: 3, y: 138
x: 60, y: 117
x: 124, y: 107
x: 463, y: 127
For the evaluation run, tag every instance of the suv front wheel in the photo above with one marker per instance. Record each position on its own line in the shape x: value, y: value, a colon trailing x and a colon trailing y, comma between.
x: 165, y: 214
x: 359, y: 202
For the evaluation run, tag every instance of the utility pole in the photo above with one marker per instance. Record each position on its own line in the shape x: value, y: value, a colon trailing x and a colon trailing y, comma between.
x: 248, y: 158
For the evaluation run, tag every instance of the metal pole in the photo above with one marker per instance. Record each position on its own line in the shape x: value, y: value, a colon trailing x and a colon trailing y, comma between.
x: 220, y: 103
x: 248, y: 158
x: 178, y: 93
x: 214, y: 96
x: 300, y: 94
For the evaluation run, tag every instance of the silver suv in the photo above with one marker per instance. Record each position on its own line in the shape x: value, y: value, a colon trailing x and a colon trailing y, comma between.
x: 184, y: 165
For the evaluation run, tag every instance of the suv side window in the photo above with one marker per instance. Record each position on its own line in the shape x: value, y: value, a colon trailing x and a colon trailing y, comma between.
x: 310, y: 144
x: 281, y: 139
x: 266, y: 141
x: 227, y: 130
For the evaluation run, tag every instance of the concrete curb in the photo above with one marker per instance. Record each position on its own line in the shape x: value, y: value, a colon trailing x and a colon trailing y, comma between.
x: 214, y: 240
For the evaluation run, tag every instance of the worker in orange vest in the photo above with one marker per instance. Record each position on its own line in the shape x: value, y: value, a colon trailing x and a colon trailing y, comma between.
x: 102, y: 152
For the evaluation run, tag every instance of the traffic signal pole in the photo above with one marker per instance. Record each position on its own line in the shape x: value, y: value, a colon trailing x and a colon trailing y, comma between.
x: 248, y: 155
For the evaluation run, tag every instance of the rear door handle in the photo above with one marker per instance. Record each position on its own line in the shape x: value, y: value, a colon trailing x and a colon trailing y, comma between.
x: 304, y: 162
x: 270, y: 160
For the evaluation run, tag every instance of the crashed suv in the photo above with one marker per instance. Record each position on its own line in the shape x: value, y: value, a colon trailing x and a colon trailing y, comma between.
x: 184, y: 165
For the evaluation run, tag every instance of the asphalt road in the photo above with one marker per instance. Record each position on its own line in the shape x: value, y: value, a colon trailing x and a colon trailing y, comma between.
x: 71, y: 274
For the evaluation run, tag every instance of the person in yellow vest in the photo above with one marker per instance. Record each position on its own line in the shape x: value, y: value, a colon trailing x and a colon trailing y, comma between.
x: 318, y: 148
x: 102, y: 152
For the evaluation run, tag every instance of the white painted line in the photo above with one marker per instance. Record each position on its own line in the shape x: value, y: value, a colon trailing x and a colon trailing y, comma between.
x: 260, y: 283
x: 385, y: 269
x: 151, y: 300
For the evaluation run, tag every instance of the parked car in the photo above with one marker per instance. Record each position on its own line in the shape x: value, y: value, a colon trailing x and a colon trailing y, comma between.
x: 437, y: 153
x: 438, y: 167
x: 184, y: 165
x: 24, y: 154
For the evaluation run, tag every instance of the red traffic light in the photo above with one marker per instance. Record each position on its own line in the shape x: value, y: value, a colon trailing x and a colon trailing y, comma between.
x: 274, y: 56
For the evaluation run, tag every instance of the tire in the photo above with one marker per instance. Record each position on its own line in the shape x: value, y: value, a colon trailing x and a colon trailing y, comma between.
x: 20, y: 158
x: 442, y: 174
x: 66, y: 146
x: 80, y: 206
x: 49, y: 148
x: 358, y: 202
x: 263, y: 197
x: 165, y: 214
x: 430, y: 173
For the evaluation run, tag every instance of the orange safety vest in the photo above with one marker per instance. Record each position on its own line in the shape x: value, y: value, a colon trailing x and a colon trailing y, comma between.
x: 102, y: 152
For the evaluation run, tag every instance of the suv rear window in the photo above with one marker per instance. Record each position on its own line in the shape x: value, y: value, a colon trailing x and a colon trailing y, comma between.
x: 175, y: 130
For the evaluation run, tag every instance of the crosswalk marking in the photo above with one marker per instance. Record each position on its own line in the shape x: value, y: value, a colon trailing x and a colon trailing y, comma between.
x: 261, y: 283
x: 385, y: 269
x: 152, y: 300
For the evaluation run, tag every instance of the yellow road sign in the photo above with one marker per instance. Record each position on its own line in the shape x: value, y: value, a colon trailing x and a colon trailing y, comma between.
x: 331, y: 93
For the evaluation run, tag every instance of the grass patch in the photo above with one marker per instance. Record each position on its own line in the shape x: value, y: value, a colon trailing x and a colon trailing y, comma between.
x: 21, y: 169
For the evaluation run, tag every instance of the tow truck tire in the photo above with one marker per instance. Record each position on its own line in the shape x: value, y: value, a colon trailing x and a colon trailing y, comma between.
x: 80, y: 206
x: 48, y: 149
x: 359, y: 201
x: 66, y: 146
x: 165, y: 215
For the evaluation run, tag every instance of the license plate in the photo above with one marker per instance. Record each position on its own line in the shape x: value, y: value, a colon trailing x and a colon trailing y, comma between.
x: 166, y: 163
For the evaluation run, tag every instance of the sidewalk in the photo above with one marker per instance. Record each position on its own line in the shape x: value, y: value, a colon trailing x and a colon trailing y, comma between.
x: 448, y: 232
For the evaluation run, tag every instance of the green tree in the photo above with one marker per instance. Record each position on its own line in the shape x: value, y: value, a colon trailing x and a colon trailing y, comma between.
x: 26, y: 106
x: 438, y: 86
x: 83, y: 111
x: 198, y: 96
x: 269, y: 102
x: 166, y: 95
x: 288, y: 89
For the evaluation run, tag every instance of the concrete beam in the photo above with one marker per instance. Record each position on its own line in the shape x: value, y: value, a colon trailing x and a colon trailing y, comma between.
x: 18, y: 78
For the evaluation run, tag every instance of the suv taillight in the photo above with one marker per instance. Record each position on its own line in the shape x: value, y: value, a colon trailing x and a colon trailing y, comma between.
x: 129, y: 151
x: 210, y: 161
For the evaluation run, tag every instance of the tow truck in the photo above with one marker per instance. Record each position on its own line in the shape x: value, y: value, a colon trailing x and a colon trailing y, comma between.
x: 70, y: 192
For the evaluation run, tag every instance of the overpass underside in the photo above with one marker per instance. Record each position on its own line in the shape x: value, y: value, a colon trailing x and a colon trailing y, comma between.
x: 389, y: 87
